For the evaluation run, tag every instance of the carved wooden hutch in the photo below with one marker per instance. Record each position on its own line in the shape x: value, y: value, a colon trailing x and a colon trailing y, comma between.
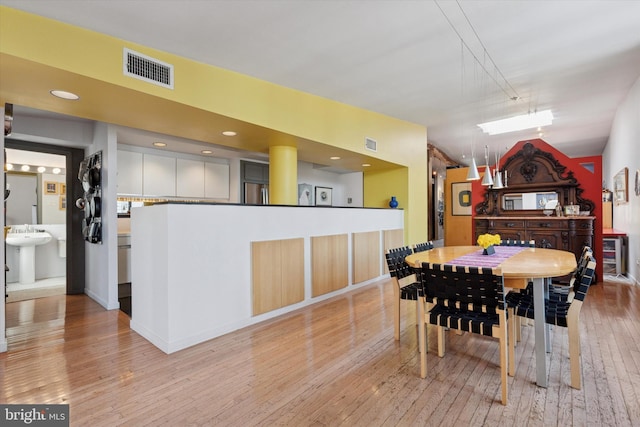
x: 516, y: 212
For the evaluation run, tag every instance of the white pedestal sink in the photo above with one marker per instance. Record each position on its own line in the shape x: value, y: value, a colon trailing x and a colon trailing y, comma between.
x: 27, y: 243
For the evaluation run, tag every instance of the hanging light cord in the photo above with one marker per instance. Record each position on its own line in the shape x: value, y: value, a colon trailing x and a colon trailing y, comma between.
x: 486, y: 53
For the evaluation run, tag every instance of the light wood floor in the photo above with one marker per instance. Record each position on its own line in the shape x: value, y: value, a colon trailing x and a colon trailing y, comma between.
x: 332, y: 364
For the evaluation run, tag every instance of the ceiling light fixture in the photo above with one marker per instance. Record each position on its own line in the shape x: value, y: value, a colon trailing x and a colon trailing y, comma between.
x: 56, y: 170
x: 516, y: 123
x: 206, y: 151
x: 159, y: 144
x: 64, y: 94
x: 229, y: 133
x: 25, y: 168
x: 41, y: 169
x: 366, y: 165
x: 9, y: 166
x: 334, y: 158
x: 487, y: 179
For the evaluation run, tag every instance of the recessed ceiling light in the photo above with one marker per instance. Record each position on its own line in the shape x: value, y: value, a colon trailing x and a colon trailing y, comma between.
x: 56, y: 170
x: 25, y: 168
x: 9, y: 166
x: 366, y: 165
x: 159, y: 144
x: 206, y: 151
x: 334, y: 158
x: 64, y: 94
x: 229, y: 133
x: 41, y: 169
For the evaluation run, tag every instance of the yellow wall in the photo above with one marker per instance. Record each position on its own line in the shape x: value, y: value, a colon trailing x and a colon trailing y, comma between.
x: 38, y: 54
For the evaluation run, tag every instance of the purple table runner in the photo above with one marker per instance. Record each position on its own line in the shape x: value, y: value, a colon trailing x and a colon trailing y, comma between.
x: 476, y: 258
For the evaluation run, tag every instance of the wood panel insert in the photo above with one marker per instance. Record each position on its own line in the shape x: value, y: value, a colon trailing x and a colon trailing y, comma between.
x: 277, y: 274
x: 329, y: 263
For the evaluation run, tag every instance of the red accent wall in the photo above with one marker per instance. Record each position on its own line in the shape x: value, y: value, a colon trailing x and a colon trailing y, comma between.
x: 590, y: 182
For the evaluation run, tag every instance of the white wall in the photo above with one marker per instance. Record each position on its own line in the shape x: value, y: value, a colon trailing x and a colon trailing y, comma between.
x: 345, y: 186
x: 101, y: 260
x: 623, y: 150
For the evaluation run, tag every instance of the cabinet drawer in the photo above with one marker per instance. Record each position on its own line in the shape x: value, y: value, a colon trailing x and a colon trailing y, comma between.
x: 547, y: 224
x: 507, y: 224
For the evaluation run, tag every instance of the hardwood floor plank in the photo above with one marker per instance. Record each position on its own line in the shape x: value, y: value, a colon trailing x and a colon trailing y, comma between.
x: 334, y: 363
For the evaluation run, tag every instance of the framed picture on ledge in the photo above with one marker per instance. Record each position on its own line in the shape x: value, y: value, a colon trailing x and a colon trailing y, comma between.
x: 323, y: 196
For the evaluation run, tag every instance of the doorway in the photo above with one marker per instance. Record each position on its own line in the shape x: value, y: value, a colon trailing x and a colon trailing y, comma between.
x: 35, y: 205
x: 52, y: 213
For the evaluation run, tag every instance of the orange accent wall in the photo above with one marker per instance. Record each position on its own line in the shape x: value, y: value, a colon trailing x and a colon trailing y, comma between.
x: 590, y: 182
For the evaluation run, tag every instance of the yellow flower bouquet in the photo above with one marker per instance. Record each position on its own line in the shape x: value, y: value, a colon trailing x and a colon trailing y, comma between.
x: 487, y: 241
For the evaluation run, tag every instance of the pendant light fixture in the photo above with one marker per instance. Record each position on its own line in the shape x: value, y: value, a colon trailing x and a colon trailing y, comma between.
x: 473, y: 174
x: 487, y: 179
x: 497, y: 184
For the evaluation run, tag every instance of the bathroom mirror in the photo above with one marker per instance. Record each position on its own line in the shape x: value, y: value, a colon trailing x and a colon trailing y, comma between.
x: 36, y: 185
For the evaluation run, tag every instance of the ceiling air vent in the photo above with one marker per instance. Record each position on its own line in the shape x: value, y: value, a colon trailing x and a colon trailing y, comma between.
x: 145, y: 68
x: 370, y: 144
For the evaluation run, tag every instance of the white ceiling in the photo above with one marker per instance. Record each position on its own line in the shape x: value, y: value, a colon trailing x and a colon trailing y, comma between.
x: 405, y: 58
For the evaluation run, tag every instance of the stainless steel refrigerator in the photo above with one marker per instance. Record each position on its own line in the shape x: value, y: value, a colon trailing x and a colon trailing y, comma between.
x: 256, y: 194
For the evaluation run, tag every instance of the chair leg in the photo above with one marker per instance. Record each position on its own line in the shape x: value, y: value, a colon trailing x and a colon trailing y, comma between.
x: 396, y: 312
x: 502, y: 336
x: 422, y: 340
x: 503, y: 365
x: 419, y: 307
x: 441, y: 349
x: 511, y: 341
x: 574, y: 350
x: 518, y: 322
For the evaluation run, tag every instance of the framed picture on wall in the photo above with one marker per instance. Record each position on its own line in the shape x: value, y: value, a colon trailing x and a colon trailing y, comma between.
x: 461, y: 198
x: 323, y: 196
x: 63, y: 189
x: 305, y: 195
x: 50, y: 187
x: 621, y: 187
x: 63, y: 203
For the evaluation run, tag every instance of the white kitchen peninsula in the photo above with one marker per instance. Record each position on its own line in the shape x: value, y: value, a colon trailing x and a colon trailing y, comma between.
x: 191, y: 263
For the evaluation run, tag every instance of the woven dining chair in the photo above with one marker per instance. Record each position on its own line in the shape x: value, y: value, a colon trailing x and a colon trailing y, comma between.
x: 469, y: 299
x: 563, y: 313
x: 423, y: 247
x: 405, y: 283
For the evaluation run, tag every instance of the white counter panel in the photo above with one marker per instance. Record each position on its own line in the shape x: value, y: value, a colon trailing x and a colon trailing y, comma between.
x: 191, y: 264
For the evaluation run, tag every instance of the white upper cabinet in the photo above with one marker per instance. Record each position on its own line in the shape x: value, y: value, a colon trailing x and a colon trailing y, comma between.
x: 190, y: 178
x: 129, y: 173
x: 159, y: 176
x: 143, y: 174
x: 216, y: 181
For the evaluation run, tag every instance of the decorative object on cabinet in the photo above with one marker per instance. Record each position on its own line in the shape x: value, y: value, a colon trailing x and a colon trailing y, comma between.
x: 534, y: 174
x: 305, y: 195
x: 461, y: 198
x: 620, y: 186
x: 393, y: 203
x: 323, y: 196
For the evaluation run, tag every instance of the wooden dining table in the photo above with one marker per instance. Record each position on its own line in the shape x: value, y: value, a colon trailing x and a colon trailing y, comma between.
x: 529, y: 264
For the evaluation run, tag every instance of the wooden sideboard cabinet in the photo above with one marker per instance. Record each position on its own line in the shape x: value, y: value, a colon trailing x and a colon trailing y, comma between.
x: 571, y: 233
